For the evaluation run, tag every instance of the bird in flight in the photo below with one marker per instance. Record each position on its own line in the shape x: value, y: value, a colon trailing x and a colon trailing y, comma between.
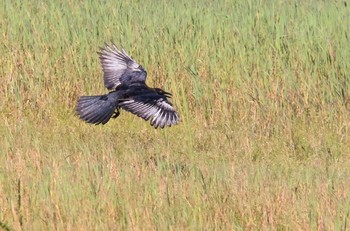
x: 125, y: 79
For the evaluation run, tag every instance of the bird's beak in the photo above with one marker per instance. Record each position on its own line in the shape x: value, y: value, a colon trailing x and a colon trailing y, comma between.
x: 167, y: 94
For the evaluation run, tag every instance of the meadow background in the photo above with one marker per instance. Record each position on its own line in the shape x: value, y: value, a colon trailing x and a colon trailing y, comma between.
x: 262, y: 88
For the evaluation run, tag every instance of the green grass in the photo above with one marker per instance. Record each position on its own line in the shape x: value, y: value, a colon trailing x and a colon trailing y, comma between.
x: 262, y: 88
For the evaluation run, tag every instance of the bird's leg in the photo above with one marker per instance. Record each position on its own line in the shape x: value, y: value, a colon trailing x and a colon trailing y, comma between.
x: 116, y: 113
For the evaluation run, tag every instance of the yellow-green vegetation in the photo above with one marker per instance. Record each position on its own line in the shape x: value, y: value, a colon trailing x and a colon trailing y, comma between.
x: 262, y: 88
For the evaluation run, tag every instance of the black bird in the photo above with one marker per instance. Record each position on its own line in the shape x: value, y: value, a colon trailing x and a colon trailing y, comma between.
x: 126, y: 81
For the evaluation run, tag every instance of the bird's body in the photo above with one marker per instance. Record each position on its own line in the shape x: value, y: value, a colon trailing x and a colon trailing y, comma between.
x: 126, y: 81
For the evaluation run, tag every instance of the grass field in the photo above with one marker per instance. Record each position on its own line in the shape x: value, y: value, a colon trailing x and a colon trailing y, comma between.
x: 262, y: 88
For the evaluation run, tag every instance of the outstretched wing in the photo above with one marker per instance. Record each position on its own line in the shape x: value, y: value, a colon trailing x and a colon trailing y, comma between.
x: 119, y: 68
x: 153, y: 106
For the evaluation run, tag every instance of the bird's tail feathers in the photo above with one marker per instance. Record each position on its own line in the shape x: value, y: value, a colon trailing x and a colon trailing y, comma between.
x: 95, y: 109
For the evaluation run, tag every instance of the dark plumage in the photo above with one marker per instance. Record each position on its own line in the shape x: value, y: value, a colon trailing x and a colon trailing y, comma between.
x: 126, y: 81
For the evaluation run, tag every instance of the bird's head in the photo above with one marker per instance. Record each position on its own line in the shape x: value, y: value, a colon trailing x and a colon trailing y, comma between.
x: 161, y: 92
